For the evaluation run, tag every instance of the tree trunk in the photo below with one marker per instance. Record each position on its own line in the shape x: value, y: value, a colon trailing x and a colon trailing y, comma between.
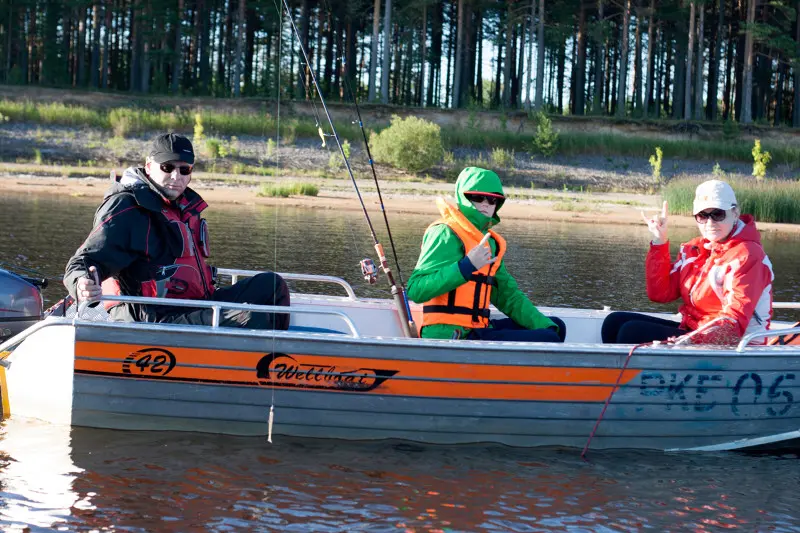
x: 778, y: 119
x: 698, y: 86
x: 747, y: 75
x: 373, y: 50
x: 498, y: 72
x: 623, y: 60
x: 327, y: 77
x: 508, y: 40
x: 94, y: 67
x: 301, y: 90
x: 251, y: 25
x: 479, y: 76
x: 668, y: 106
x: 350, y: 71
x: 687, y: 80
x: 387, y: 52
x: 796, y: 69
x: 637, y: 64
x: 715, y: 61
x: 238, y: 56
x: 652, y: 38
x: 661, y: 68
x: 562, y: 60
x: 81, y: 47
x: 458, y: 55
x: 424, y: 55
x: 600, y: 46
x: 145, y: 28
x: 177, y: 52
x: 531, y: 37
x: 434, y: 78
x: 135, y: 47
x: 106, y: 45
x: 580, y: 74
x: 540, y: 59
x: 520, y: 65
x: 726, y: 97
x: 204, y: 69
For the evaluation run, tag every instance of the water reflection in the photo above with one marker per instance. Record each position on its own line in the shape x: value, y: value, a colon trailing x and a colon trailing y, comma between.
x: 36, y: 475
x: 141, y: 481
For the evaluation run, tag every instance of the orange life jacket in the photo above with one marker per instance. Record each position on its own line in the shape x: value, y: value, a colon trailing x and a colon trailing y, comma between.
x: 783, y: 340
x: 468, y: 304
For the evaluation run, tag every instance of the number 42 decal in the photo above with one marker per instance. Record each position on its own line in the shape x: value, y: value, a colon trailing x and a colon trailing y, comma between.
x: 150, y: 362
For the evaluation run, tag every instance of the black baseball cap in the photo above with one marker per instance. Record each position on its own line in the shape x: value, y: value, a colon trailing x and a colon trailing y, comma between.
x: 171, y: 147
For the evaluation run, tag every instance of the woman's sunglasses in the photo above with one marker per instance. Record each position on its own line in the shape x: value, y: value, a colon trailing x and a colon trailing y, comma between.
x: 480, y: 198
x: 717, y: 215
x: 168, y: 168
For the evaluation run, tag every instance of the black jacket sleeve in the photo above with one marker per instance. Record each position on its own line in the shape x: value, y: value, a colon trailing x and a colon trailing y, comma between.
x: 117, y: 240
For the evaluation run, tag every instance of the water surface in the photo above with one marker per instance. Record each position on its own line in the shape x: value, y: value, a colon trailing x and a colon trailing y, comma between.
x: 82, y: 479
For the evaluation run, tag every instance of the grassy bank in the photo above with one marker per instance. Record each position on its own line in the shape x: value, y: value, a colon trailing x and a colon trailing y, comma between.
x: 125, y: 121
x: 767, y: 201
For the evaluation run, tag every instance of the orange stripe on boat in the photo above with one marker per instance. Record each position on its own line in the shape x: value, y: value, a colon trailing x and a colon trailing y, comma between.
x: 346, y: 374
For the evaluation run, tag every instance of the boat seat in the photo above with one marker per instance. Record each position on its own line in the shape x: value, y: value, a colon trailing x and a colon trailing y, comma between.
x: 313, y: 329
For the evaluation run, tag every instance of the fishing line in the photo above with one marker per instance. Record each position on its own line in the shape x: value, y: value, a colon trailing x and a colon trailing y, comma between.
x: 360, y: 123
x: 367, y: 266
x: 10, y: 266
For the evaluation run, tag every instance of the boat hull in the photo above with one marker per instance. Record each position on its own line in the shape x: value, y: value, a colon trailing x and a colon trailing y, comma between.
x: 336, y: 386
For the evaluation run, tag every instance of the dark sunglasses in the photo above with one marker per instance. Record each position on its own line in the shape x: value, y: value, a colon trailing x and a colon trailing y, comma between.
x: 717, y: 215
x: 169, y: 168
x: 478, y: 198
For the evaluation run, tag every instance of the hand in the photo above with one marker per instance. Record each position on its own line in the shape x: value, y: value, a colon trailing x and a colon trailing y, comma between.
x: 481, y: 254
x: 89, y: 289
x: 658, y: 225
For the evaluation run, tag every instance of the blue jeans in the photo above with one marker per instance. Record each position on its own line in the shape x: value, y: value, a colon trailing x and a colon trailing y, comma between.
x: 507, y: 330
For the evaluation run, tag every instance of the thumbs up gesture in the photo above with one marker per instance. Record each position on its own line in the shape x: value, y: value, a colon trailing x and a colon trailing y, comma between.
x: 481, y: 254
x: 657, y: 225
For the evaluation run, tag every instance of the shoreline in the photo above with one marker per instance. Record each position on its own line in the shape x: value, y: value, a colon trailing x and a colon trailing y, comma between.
x: 552, y: 206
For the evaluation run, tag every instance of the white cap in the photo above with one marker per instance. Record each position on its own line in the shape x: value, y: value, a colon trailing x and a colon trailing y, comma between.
x: 714, y: 194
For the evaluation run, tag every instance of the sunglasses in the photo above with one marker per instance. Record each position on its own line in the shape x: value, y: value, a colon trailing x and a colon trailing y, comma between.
x: 717, y: 215
x: 479, y: 198
x: 168, y: 168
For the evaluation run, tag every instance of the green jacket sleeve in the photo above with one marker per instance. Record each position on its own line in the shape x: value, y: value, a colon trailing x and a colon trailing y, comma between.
x: 513, y: 303
x: 437, y: 269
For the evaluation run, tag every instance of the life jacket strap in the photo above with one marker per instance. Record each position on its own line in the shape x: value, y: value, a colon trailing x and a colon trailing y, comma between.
x: 458, y: 310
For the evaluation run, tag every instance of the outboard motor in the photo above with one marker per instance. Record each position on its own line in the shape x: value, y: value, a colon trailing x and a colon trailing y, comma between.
x: 20, y: 303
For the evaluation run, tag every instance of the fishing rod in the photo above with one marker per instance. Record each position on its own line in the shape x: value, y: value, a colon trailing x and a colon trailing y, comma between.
x: 367, y: 266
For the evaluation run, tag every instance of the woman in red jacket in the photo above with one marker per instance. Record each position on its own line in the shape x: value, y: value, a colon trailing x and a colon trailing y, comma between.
x: 724, y: 273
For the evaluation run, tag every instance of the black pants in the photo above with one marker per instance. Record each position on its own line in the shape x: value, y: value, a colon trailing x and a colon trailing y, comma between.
x: 633, y: 328
x: 507, y: 330
x: 266, y: 288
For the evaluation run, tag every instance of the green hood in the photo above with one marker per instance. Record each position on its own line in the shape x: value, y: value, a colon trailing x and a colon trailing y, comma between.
x: 474, y: 179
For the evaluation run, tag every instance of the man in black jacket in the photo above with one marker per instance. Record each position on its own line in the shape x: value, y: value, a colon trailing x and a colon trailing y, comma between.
x: 150, y: 240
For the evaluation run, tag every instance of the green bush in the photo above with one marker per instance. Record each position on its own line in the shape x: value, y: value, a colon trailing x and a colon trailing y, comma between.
x: 409, y: 143
x: 546, y: 139
x: 284, y: 191
x: 213, y: 148
x: 655, y: 164
x: 760, y: 161
x: 503, y: 158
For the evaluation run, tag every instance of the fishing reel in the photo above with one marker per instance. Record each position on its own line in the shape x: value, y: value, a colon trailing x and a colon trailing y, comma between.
x: 369, y: 270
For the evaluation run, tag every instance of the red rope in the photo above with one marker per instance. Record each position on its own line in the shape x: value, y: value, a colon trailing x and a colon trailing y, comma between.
x: 608, y: 400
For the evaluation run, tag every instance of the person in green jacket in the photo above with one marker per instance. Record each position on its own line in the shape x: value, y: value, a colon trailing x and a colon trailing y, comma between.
x: 460, y: 271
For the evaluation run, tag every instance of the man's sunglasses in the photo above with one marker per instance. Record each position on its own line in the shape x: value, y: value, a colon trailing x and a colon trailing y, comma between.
x: 717, y: 215
x: 479, y: 198
x: 168, y: 168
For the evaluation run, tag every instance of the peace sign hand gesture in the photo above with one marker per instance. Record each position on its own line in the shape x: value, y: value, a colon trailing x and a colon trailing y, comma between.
x: 658, y: 225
